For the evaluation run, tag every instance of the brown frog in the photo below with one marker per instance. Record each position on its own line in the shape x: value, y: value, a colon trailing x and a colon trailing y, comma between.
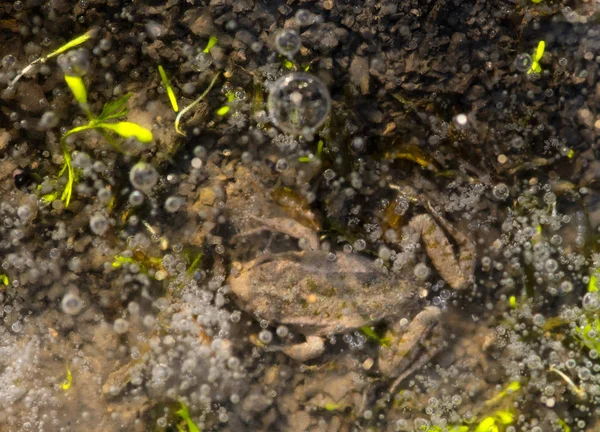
x: 316, y: 296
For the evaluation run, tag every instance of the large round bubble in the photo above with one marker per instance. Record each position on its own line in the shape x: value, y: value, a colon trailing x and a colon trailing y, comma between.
x: 299, y: 103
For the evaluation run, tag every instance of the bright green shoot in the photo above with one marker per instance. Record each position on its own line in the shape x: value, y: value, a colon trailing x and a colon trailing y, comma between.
x: 71, y: 44
x: 537, y: 56
x: 371, y: 334
x: 66, y: 384
x: 185, y: 416
x: 167, y: 84
x: 4, y: 279
x: 211, y: 43
x: 111, y: 111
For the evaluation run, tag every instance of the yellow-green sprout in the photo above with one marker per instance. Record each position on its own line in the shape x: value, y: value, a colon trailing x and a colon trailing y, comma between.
x: 212, y: 41
x: 223, y: 110
x: 4, y: 279
x: 510, y: 389
x: 593, y: 284
x: 371, y: 334
x: 537, y: 56
x: 185, y: 416
x: 66, y: 384
x: 111, y: 111
x: 71, y: 44
x: 167, y: 84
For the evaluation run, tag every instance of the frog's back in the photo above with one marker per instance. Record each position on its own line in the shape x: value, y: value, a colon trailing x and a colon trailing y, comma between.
x: 319, y: 297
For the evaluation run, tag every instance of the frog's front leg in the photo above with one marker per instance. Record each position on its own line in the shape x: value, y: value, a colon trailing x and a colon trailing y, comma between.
x: 312, y: 348
x: 411, y: 348
x: 457, y: 271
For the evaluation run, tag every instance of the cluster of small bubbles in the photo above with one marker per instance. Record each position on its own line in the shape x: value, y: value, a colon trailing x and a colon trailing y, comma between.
x: 299, y: 103
x: 75, y: 62
x: 173, y: 204
x: 523, y: 62
x: 71, y: 304
x: 288, y: 42
x: 99, y: 224
x: 143, y: 176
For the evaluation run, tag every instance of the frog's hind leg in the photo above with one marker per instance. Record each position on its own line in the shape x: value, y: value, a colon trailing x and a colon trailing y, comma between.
x: 413, y: 348
x: 312, y: 348
x: 457, y: 271
x: 285, y: 226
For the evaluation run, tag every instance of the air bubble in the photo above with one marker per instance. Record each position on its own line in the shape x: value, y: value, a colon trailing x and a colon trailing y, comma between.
x: 143, y: 176
x: 299, y: 103
x: 591, y: 301
x: 71, y: 304
x: 500, y: 191
x: 523, y: 62
x: 288, y: 42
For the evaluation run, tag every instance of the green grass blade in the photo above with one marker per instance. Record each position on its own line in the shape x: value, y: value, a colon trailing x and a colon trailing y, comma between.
x: 71, y: 44
x: 167, y: 84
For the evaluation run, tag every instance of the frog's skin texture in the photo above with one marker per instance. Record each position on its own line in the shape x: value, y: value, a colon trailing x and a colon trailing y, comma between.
x: 316, y: 297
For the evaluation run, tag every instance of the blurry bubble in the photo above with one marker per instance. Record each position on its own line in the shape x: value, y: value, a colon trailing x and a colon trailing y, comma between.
x: 523, y: 62
x: 8, y: 61
x: 265, y: 336
x: 591, y: 301
x: 500, y: 191
x: 303, y: 17
x: 201, y: 62
x: 282, y: 331
x: 360, y: 245
x: 26, y: 212
x: 143, y: 176
x: 282, y: 165
x: 136, y: 198
x: 98, y: 224
x: 71, y: 304
x: 299, y: 103
x: 421, y: 271
x: 155, y: 30
x: 120, y: 325
x: 461, y: 120
x: 48, y: 121
x: 173, y: 204
x: 287, y: 42
x: 75, y: 62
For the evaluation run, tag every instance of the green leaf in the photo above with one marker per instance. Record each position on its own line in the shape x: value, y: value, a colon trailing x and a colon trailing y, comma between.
x: 115, y: 109
x: 185, y: 415
x: 77, y: 86
x: 539, y: 52
x: 4, y: 279
x: 223, y: 110
x: 66, y: 384
x: 71, y: 44
x: 505, y: 417
x: 211, y: 43
x: 487, y: 425
x: 170, y: 92
x: 129, y: 129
